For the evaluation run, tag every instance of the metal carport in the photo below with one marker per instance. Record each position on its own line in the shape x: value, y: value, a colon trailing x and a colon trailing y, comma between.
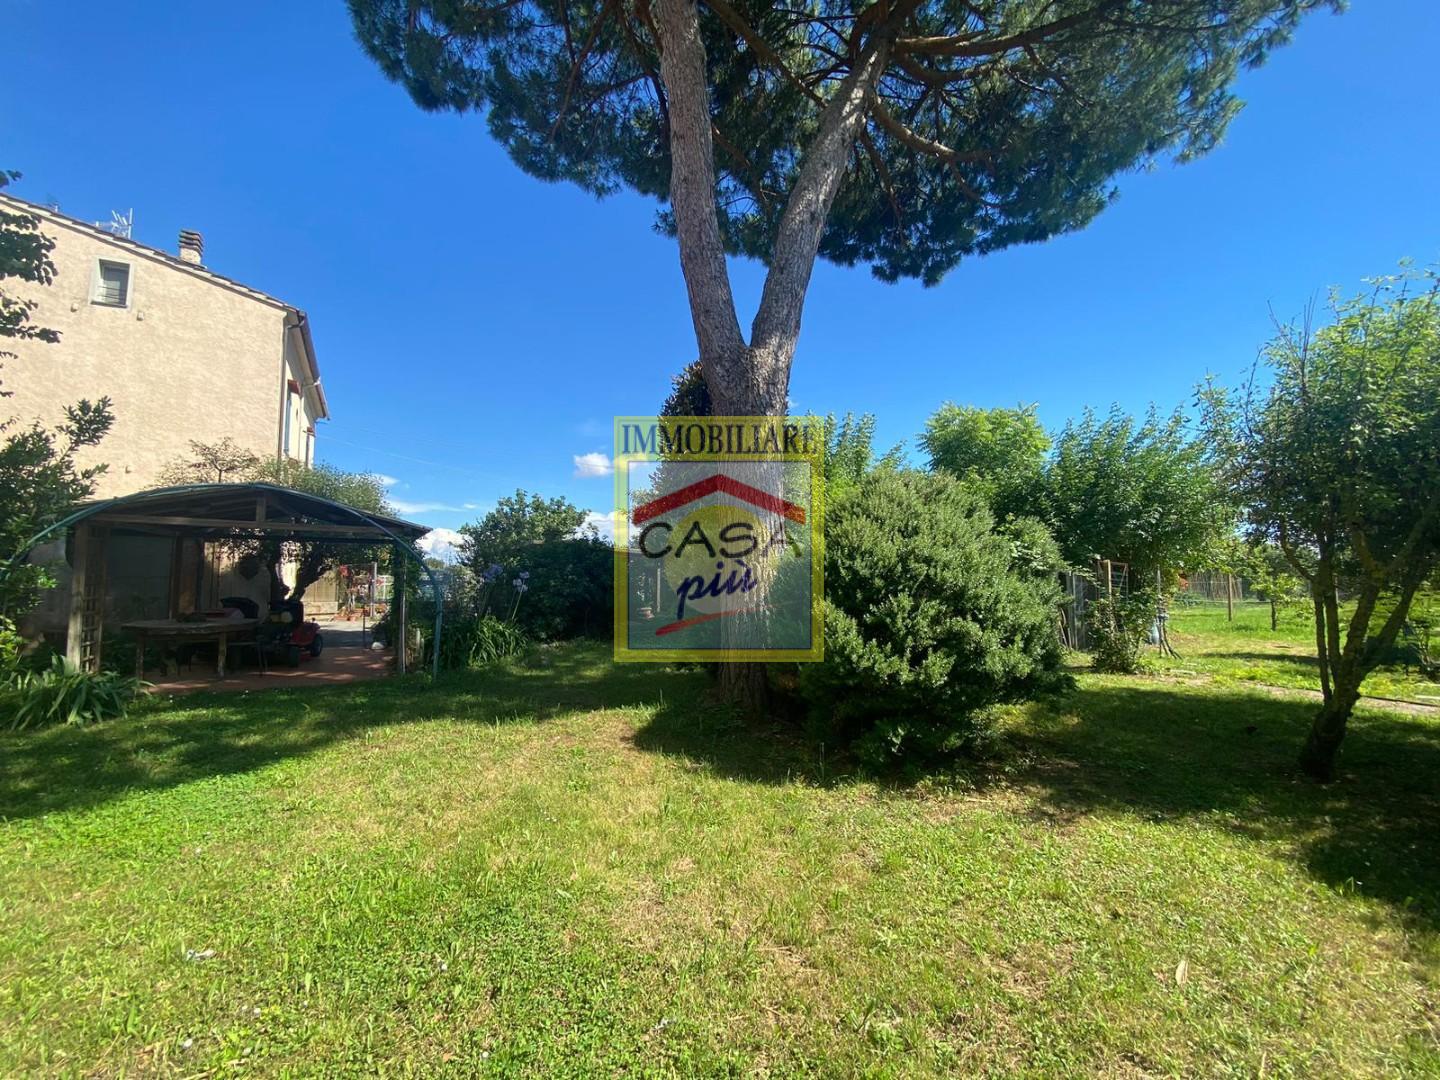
x: 217, y: 512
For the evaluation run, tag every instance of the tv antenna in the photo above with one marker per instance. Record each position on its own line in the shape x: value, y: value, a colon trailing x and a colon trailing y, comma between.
x: 119, y: 224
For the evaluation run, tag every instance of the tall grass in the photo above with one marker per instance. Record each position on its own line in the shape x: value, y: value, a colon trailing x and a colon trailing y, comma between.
x: 476, y: 642
x: 64, y: 694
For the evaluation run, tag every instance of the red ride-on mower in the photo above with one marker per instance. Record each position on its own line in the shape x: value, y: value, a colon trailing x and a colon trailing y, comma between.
x: 288, y: 635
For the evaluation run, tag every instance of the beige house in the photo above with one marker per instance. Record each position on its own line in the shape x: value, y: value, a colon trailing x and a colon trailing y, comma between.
x: 183, y: 352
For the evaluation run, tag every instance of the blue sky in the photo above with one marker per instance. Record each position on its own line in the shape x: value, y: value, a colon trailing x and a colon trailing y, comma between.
x: 478, y: 329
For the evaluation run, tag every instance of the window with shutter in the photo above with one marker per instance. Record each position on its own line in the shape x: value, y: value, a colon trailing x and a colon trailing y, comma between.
x: 112, y: 286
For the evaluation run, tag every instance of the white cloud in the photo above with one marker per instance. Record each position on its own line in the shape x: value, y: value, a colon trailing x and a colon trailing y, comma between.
x: 386, y: 480
x: 596, y: 464
x: 404, y: 506
x: 603, y: 522
x: 440, y: 544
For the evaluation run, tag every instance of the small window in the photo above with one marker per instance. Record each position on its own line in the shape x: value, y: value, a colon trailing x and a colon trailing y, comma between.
x: 112, y: 285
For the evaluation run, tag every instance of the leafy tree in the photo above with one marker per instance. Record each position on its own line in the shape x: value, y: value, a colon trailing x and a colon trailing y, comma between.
x: 225, y: 462
x: 1002, y: 451
x: 1268, y: 571
x: 1338, y: 464
x: 905, y: 135
x: 313, y: 559
x: 517, y: 522
x: 24, y: 254
x: 213, y: 463
x: 1141, y: 492
x: 850, y: 453
x: 39, y: 484
x: 39, y: 479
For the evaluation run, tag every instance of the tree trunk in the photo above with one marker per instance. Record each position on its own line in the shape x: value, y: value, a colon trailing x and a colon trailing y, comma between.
x: 746, y: 686
x: 751, y: 378
x: 1322, y: 747
x: 278, y: 589
x: 1274, y: 616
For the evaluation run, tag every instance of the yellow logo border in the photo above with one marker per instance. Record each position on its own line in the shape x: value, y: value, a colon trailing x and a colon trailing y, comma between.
x: 815, y: 518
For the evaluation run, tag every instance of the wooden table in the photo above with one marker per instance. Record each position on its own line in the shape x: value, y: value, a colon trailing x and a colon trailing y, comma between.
x: 219, y: 631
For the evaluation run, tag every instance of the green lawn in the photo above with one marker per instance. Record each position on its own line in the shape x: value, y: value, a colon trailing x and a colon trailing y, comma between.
x: 568, y: 868
x: 1245, y: 649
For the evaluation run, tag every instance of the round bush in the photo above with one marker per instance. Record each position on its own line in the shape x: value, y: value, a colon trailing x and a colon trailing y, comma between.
x: 931, y: 615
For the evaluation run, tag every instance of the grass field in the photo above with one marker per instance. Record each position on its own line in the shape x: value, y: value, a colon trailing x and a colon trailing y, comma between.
x: 568, y: 868
x: 1245, y: 649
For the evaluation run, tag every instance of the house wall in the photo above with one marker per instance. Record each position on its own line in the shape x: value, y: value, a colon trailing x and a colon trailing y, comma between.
x: 297, y: 440
x: 186, y: 359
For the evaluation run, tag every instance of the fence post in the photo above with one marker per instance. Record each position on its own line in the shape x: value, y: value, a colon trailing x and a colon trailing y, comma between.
x: 402, y: 624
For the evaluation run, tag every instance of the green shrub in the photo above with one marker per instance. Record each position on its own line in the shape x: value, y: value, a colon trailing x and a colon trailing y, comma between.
x: 11, y: 646
x: 1118, y: 630
x: 552, y: 589
x: 469, y: 642
x: 63, y: 694
x: 931, y: 615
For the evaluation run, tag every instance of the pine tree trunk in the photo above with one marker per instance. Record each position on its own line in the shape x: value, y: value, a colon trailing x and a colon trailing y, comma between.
x: 750, y: 378
x: 747, y: 686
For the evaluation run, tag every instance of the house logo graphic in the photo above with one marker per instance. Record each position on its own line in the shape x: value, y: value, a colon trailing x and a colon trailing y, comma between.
x: 717, y: 545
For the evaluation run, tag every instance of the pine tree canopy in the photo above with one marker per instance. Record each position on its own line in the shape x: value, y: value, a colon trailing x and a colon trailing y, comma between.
x: 987, y: 123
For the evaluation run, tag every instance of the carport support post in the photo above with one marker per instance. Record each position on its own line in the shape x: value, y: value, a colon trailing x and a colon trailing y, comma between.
x: 85, y: 629
x: 401, y: 623
x: 79, y: 576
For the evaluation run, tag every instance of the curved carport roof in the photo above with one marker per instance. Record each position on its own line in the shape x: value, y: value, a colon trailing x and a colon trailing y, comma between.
x: 228, y: 511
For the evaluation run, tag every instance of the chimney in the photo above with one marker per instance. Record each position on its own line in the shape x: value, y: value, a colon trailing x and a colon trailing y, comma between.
x: 192, y: 246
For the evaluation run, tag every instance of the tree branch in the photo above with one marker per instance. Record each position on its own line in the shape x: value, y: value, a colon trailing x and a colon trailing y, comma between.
x: 777, y: 323
x: 970, y: 45
x: 692, y: 180
x: 916, y: 141
x: 579, y: 63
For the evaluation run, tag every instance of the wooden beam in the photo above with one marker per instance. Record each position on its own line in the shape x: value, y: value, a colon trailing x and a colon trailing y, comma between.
x: 173, y: 600
x: 359, y: 532
x: 80, y: 565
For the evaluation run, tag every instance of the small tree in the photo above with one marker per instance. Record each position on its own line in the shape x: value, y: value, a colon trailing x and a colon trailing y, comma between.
x: 313, y: 559
x: 1268, y: 571
x: 931, y: 615
x: 1001, y: 451
x: 517, y: 522
x: 1141, y: 492
x: 39, y: 484
x: 226, y: 463
x: 1338, y: 463
x: 213, y: 463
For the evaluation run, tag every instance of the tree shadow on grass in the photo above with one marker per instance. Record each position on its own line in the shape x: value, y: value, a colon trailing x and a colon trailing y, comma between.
x: 165, y: 742
x: 1300, y: 660
x: 1189, y: 752
x: 1161, y: 751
